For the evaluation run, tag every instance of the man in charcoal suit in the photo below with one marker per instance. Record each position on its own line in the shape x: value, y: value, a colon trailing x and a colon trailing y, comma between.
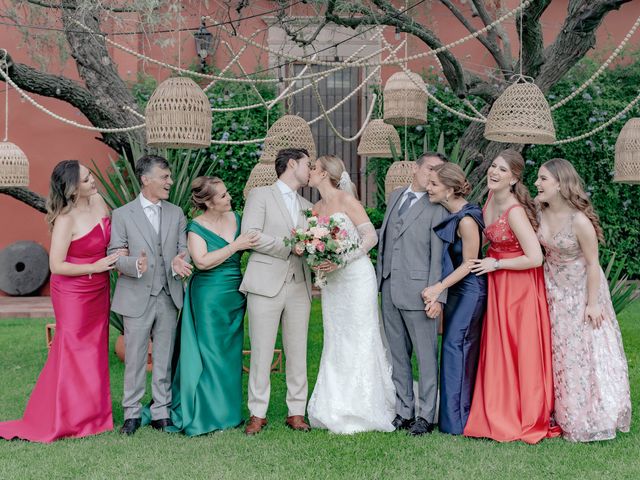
x: 409, y: 260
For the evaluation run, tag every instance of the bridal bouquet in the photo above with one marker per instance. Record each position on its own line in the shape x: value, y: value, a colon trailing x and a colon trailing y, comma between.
x: 325, y: 239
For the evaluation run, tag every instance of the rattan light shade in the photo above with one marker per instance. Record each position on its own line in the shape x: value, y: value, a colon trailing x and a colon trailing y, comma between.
x: 520, y: 115
x: 405, y: 103
x: 178, y: 115
x: 627, y: 162
x: 377, y: 139
x: 290, y: 131
x: 262, y: 174
x: 400, y: 174
x: 14, y: 166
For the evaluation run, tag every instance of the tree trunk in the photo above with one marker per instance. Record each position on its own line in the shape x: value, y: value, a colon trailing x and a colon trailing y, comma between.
x: 100, y: 74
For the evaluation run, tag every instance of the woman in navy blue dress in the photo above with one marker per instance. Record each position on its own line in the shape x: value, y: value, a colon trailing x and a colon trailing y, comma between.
x: 461, y: 233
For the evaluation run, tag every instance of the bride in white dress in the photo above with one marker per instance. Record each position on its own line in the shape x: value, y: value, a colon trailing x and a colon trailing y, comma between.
x: 354, y: 391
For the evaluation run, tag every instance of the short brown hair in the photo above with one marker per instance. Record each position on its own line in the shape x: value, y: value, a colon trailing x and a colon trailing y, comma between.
x: 286, y: 154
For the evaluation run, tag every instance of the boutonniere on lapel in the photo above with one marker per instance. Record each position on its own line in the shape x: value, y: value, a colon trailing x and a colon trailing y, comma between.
x: 325, y: 238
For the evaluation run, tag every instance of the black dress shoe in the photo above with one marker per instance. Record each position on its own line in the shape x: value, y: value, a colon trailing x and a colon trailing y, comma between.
x: 130, y: 426
x: 421, y: 427
x: 402, y: 423
x: 161, y: 424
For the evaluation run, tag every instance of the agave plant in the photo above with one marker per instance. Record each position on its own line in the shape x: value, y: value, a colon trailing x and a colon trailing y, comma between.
x: 623, y: 291
x: 120, y: 186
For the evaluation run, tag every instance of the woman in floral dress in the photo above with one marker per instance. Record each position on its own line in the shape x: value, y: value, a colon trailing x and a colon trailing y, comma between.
x: 592, y: 399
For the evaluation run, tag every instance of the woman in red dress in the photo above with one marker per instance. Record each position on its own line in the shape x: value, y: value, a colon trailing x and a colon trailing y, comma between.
x: 71, y: 397
x: 513, y: 395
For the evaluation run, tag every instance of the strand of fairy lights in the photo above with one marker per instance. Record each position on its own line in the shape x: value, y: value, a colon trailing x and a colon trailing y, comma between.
x: 338, y: 65
x: 602, y: 68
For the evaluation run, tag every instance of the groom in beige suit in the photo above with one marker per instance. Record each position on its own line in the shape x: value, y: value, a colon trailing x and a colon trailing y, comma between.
x: 277, y: 283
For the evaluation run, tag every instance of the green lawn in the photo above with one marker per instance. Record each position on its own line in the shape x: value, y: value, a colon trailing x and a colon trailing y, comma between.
x: 281, y: 453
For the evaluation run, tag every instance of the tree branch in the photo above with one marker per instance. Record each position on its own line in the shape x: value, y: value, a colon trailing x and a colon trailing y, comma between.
x: 40, y: 3
x: 576, y: 37
x: 497, y: 32
x: 532, y: 39
x: 100, y: 74
x: 392, y: 17
x: 67, y: 90
x: 489, y: 41
x: 25, y: 195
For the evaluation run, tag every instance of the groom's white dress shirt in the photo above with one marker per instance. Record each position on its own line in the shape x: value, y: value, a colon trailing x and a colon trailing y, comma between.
x: 290, y: 200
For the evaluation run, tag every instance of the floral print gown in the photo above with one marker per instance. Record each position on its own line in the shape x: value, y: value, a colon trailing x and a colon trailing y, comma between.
x: 592, y: 399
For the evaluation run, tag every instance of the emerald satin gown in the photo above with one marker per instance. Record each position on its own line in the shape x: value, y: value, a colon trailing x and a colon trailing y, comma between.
x: 207, y: 384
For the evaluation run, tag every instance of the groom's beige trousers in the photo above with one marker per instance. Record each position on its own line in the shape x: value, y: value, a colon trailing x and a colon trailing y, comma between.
x: 291, y: 307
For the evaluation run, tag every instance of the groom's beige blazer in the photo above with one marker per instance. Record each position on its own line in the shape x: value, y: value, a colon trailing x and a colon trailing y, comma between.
x: 271, y: 260
x: 278, y: 288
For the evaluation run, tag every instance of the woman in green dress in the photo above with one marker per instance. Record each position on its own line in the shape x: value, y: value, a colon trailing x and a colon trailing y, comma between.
x: 207, y: 384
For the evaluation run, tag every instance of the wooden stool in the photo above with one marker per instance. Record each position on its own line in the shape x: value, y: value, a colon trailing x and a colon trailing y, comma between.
x: 49, y: 329
x: 276, y: 366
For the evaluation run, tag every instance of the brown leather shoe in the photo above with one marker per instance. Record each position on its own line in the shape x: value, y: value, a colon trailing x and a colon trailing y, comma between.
x: 296, y: 422
x: 255, y: 425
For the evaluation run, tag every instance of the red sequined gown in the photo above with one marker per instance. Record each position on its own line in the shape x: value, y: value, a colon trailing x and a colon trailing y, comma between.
x: 513, y: 395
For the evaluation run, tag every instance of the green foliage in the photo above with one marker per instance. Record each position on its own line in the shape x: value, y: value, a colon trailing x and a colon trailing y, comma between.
x: 623, y: 292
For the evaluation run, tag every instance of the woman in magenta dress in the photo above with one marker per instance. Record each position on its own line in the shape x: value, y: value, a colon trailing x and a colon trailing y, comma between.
x: 592, y: 400
x: 513, y: 394
x: 71, y: 397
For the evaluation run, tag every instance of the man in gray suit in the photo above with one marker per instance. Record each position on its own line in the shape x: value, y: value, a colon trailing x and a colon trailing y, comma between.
x: 277, y: 283
x: 409, y: 259
x: 149, y: 290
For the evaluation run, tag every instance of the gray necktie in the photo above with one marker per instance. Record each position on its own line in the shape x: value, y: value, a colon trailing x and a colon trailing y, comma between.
x: 406, y: 204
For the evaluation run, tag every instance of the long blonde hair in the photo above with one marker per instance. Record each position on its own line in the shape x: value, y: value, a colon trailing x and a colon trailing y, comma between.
x: 515, y: 161
x: 63, y: 189
x: 572, y: 190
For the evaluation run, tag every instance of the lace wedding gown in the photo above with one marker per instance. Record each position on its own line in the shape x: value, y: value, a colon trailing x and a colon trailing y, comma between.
x: 354, y: 391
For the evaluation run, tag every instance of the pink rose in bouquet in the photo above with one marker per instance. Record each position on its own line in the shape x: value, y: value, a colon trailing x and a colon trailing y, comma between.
x: 324, y: 239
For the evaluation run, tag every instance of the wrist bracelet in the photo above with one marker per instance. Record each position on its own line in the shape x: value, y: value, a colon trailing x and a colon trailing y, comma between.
x: 496, y: 264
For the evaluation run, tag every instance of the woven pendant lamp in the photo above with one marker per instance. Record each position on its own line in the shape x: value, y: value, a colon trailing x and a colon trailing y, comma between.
x: 520, y: 115
x: 405, y: 103
x: 400, y: 174
x: 14, y: 166
x: 178, y: 115
x: 376, y: 140
x: 627, y: 160
x: 263, y: 174
x: 289, y: 131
